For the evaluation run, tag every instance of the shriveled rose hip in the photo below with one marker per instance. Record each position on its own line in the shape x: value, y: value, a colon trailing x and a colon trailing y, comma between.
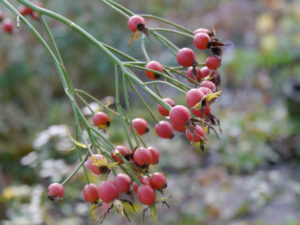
x: 186, y: 57
x: 136, y: 23
x: 162, y: 110
x: 90, y: 193
x: 153, y: 65
x: 195, y: 135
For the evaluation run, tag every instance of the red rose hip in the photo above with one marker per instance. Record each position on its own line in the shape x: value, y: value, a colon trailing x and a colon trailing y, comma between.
x: 198, y: 112
x: 100, y: 119
x: 201, y: 40
x: 136, y: 23
x: 8, y: 26
x: 140, y: 125
x: 213, y: 62
x: 186, y: 57
x: 124, y: 151
x: 191, y: 74
x: 179, y: 114
x: 162, y: 110
x: 90, y: 193
x: 164, y: 130
x: 90, y: 163
x: 155, y: 155
x: 193, y: 96
x: 153, y: 65
x: 178, y: 127
x: 108, y: 191
x: 146, y: 195
x: 142, y: 157
x: 158, y: 180
x: 208, y: 84
x: 55, y: 190
x: 122, y: 181
x: 202, y: 30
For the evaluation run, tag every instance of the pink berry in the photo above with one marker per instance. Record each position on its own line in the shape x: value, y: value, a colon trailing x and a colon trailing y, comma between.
x: 186, y: 57
x: 162, y: 110
x: 158, y: 180
x: 122, y: 181
x: 208, y: 84
x: 179, y: 114
x: 155, y: 155
x: 100, y: 118
x: 142, y: 157
x: 193, y: 97
x: 90, y: 193
x: 205, y: 90
x: 55, y: 190
x: 196, y: 134
x: 140, y: 125
x: 108, y: 191
x: 8, y: 26
x: 146, y: 195
x: 124, y: 151
x: 136, y: 23
x: 24, y: 10
x: 164, y: 130
x: 90, y: 164
x: 153, y: 65
x: 205, y: 71
x: 198, y: 112
x: 213, y: 62
x: 196, y: 77
x: 202, y: 30
x: 201, y: 40
x: 178, y: 127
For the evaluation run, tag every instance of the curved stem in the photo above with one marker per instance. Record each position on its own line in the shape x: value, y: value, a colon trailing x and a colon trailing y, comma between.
x: 172, y: 31
x: 167, y: 22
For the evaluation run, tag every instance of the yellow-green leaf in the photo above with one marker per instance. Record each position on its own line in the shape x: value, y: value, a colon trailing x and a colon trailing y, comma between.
x: 73, y: 139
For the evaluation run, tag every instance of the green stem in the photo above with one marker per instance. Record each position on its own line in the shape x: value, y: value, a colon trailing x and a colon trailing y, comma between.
x: 75, y: 170
x: 143, y: 102
x: 165, y: 83
x: 172, y: 31
x: 144, y: 50
x: 168, y: 22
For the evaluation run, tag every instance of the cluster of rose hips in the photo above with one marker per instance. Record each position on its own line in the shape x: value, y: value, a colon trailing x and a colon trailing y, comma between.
x: 198, y: 99
x: 121, y: 187
x: 195, y: 119
x: 8, y: 24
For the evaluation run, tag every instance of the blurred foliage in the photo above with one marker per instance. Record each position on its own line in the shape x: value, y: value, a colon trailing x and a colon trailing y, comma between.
x: 251, y: 171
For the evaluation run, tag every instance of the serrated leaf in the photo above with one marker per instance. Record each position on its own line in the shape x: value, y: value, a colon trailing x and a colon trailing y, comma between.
x: 133, y: 37
x: 153, y: 213
x: 73, y: 139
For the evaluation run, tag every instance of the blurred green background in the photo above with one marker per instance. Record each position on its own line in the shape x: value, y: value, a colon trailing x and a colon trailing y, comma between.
x: 250, y: 176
